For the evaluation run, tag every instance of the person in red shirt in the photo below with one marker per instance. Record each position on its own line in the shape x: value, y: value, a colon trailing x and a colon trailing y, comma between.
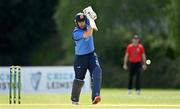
x: 135, y: 62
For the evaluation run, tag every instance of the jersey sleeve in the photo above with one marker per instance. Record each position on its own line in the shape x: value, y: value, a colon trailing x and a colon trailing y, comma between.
x: 77, y: 35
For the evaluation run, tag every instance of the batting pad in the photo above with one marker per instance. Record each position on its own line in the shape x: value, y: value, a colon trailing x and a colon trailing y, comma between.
x: 76, y: 89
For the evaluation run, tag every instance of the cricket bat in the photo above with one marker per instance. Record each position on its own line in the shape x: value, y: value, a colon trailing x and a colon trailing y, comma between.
x: 91, y: 15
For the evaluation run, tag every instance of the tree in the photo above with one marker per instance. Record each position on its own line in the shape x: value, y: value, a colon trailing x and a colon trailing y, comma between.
x: 25, y: 24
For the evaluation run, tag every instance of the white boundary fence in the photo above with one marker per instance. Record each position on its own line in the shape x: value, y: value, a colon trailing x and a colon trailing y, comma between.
x: 43, y: 79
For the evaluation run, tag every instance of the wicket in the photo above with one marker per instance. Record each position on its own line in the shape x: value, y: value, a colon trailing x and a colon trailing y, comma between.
x: 15, y: 74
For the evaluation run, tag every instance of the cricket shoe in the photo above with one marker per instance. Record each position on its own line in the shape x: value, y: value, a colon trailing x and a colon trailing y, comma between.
x: 129, y: 92
x: 96, y: 100
x: 138, y: 92
x: 75, y: 103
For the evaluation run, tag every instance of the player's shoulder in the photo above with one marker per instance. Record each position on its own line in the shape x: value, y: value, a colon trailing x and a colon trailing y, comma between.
x: 130, y: 45
x: 75, y: 29
x: 140, y: 45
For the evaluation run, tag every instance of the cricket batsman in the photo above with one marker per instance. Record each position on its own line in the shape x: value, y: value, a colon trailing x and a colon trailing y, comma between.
x: 85, y: 59
x: 135, y: 62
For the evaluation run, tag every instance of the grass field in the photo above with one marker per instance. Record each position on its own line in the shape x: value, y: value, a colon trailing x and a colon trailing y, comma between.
x: 111, y: 99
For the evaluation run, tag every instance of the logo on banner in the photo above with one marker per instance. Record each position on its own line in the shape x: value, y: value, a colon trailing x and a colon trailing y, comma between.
x: 35, y: 80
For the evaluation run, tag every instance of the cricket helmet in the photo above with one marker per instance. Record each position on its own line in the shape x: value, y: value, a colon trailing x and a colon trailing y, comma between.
x: 80, y: 17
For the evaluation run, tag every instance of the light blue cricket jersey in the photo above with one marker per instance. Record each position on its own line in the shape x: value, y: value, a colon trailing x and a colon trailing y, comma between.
x: 83, y: 45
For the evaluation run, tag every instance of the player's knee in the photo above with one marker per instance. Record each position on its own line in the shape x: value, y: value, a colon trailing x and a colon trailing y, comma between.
x: 80, y: 77
x: 97, y: 72
x: 78, y: 82
x: 98, y: 69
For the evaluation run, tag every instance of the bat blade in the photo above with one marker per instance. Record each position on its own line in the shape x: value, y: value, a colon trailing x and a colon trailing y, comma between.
x: 93, y: 24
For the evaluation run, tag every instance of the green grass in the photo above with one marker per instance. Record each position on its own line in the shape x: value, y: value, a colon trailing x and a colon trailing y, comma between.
x: 111, y: 99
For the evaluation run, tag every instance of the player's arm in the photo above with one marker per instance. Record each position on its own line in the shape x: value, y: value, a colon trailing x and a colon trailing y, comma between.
x: 78, y: 35
x: 144, y: 66
x: 144, y: 58
x: 125, y: 61
x: 88, y: 33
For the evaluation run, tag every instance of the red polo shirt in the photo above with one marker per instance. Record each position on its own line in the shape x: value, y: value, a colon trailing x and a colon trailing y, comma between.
x: 135, y: 52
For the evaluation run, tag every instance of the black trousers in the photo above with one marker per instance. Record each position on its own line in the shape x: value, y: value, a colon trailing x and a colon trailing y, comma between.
x: 135, y: 71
